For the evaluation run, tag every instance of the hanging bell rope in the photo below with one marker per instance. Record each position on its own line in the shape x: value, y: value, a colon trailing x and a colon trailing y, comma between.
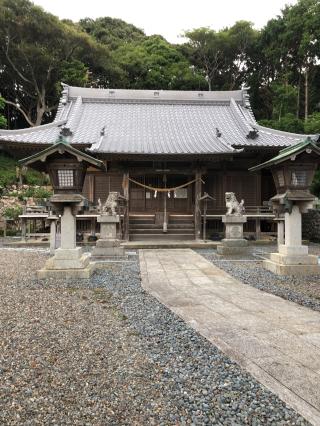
x: 153, y: 188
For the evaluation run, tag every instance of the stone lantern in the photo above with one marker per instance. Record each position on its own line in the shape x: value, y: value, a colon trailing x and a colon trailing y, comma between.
x: 66, y: 167
x: 293, y: 171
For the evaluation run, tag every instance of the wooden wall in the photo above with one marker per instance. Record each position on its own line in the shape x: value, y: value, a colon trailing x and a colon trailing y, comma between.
x: 98, y: 185
x: 253, y: 188
x: 245, y: 185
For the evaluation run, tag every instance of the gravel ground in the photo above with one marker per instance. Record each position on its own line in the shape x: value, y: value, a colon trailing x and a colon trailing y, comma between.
x: 248, y: 269
x: 104, y: 352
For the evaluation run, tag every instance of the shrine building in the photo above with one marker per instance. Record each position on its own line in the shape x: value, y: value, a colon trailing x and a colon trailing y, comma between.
x: 163, y: 150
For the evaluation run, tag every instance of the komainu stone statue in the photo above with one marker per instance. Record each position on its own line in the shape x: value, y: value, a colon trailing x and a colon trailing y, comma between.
x: 233, y: 206
x: 110, y: 207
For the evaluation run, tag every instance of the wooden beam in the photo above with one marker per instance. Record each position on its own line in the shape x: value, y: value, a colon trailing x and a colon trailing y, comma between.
x: 91, y: 187
x: 197, y: 208
x: 126, y: 193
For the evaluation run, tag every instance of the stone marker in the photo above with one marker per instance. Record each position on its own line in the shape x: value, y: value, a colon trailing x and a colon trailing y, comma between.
x: 233, y: 243
x: 108, y: 243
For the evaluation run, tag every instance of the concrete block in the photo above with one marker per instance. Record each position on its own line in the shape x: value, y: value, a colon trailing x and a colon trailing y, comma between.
x: 294, y: 260
x: 234, y: 219
x: 108, y: 247
x: 293, y: 250
x: 84, y: 273
x: 80, y: 263
x: 108, y: 251
x: 108, y: 243
x: 71, y: 254
x: 108, y: 219
x: 231, y: 250
x: 282, y: 269
x: 228, y: 242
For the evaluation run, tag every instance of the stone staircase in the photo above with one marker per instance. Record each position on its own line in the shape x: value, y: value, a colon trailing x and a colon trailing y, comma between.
x: 147, y: 227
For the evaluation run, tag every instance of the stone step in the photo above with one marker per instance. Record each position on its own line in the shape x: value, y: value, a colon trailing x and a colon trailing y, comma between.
x: 160, y: 226
x: 175, y: 237
x: 179, y: 221
x: 160, y: 231
x: 141, y: 221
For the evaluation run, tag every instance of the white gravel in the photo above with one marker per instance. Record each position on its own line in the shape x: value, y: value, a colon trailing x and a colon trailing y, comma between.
x: 104, y: 352
x: 248, y: 269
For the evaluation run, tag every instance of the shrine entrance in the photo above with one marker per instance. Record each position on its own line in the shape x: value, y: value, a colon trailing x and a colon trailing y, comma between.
x: 161, y: 206
x: 144, y: 199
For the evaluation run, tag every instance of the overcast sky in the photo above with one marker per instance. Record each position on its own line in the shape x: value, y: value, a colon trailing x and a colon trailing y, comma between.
x: 170, y: 17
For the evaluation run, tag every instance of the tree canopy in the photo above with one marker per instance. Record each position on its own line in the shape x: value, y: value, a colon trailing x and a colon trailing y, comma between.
x: 279, y: 63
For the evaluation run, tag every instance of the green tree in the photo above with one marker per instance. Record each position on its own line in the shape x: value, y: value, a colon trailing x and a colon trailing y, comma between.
x: 312, y: 125
x: 112, y: 32
x: 208, y: 52
x: 155, y: 64
x: 290, y: 46
x: 3, y: 120
x: 287, y: 123
x: 37, y: 51
x: 315, y: 188
x: 284, y: 99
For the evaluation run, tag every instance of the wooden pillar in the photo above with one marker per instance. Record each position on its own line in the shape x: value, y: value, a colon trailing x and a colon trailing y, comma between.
x: 93, y: 226
x: 91, y: 194
x: 53, y: 231
x: 126, y: 193
x: 258, y: 228
x: 197, y: 208
x: 23, y: 229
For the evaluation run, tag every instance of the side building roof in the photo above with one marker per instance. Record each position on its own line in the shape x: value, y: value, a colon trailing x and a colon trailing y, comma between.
x: 155, y: 122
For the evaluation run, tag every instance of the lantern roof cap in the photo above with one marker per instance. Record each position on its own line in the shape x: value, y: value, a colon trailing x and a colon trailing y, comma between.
x: 61, y: 147
x: 287, y: 153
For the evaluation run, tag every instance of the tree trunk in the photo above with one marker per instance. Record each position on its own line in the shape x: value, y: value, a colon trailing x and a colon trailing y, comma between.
x: 306, y: 95
x: 298, y: 96
x: 41, y: 109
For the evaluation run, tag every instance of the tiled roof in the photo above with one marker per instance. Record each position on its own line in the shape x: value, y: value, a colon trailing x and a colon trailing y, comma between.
x: 286, y: 153
x: 155, y: 122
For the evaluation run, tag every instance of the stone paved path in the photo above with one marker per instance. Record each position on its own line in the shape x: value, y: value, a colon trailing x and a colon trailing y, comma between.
x: 276, y: 340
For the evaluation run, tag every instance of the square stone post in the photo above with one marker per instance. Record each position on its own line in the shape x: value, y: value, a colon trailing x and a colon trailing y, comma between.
x: 280, y: 231
x: 293, y: 257
x: 233, y: 243
x: 53, y: 233
x: 68, y: 229
x: 108, y: 243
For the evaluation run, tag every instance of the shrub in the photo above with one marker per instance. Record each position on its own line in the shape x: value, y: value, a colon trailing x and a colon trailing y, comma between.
x: 12, y: 212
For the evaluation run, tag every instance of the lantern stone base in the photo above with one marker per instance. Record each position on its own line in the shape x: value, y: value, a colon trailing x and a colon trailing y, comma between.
x: 234, y: 243
x: 67, y: 263
x: 292, y: 260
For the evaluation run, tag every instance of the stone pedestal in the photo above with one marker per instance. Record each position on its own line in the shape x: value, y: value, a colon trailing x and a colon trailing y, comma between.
x: 68, y: 261
x: 280, y: 231
x: 293, y: 257
x: 233, y: 243
x: 108, y: 245
x: 53, y: 232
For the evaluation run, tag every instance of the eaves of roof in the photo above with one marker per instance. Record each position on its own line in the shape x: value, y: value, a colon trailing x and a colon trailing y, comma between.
x: 288, y: 152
